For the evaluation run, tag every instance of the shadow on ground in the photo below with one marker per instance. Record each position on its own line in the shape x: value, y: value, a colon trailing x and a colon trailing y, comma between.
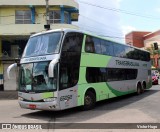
x: 102, y: 107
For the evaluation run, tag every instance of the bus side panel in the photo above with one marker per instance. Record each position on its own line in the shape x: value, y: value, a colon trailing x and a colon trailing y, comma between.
x: 68, y: 98
x: 94, y: 60
x: 103, y: 90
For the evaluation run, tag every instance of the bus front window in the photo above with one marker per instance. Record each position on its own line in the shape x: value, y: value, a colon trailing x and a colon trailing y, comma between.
x: 43, y: 44
x: 35, y: 78
x: 26, y: 76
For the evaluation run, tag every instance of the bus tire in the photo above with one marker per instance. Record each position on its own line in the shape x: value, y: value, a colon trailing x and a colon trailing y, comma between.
x: 139, y: 89
x: 89, y: 100
x: 144, y: 86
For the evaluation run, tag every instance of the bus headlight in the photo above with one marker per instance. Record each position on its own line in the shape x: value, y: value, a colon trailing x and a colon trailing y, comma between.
x: 20, y: 98
x: 49, y: 99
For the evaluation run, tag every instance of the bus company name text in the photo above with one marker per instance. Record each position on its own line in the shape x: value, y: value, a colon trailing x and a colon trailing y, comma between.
x: 126, y: 63
x: 36, y: 59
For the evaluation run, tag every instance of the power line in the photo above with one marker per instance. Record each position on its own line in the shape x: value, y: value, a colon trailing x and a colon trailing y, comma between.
x: 112, y: 29
x: 95, y: 21
x: 94, y: 31
x: 106, y: 8
x: 89, y: 28
x: 120, y: 11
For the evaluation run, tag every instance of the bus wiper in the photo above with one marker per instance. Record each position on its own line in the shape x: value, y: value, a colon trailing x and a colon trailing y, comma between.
x: 25, y: 89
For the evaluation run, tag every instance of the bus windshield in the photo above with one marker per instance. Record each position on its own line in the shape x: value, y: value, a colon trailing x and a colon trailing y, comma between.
x: 34, y: 77
x: 43, y: 44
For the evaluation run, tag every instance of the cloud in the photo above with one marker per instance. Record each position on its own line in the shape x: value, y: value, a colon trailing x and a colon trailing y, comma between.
x: 126, y: 29
x: 119, y: 0
x: 99, y: 20
x: 157, y: 10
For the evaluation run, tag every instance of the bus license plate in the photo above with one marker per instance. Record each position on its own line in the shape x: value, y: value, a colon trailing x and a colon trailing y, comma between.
x: 32, y: 106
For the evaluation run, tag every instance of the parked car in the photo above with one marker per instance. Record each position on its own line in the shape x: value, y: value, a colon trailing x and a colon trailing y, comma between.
x: 154, y: 79
x: 156, y: 72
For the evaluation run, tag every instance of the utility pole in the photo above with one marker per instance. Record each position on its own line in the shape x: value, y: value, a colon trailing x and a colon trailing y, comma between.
x: 47, y: 12
x: 47, y: 26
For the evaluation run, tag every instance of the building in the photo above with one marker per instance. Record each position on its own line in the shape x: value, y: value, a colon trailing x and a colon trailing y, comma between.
x: 146, y: 40
x: 20, y: 19
x: 136, y: 38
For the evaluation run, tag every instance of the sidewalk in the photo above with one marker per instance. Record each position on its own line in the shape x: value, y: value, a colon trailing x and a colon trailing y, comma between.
x: 8, y: 95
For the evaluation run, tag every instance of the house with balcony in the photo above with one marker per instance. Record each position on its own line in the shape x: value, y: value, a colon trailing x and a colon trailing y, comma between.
x: 20, y: 19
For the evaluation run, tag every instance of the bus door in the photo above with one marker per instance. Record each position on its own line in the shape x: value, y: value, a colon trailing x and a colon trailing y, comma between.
x: 69, y: 69
x: 67, y: 89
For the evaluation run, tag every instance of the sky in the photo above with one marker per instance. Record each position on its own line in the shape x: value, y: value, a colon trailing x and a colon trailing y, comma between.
x: 115, y: 18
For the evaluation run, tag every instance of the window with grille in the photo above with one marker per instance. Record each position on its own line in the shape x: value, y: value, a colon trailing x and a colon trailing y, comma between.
x: 66, y: 17
x: 23, y: 17
x: 54, y: 16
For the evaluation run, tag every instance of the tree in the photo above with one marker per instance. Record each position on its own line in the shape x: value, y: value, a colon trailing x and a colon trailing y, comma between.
x: 153, y: 52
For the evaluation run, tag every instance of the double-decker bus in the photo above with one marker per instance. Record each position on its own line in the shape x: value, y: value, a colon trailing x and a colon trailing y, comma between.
x: 66, y: 68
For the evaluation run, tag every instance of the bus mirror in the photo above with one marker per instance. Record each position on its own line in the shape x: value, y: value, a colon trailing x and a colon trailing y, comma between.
x: 51, y: 67
x: 9, y: 69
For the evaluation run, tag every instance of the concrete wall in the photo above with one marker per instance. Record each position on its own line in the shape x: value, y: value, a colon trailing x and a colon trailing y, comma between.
x: 27, y: 29
x: 8, y: 26
x: 38, y: 2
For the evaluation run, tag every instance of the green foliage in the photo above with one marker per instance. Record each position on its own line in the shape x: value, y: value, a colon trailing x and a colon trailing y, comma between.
x: 152, y: 51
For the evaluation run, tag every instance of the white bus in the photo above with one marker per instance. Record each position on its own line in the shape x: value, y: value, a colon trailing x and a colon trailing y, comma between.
x: 66, y: 68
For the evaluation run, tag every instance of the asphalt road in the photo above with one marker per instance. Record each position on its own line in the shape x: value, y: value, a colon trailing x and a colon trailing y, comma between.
x: 132, y: 108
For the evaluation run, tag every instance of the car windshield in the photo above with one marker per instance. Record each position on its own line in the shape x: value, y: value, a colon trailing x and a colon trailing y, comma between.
x: 153, y: 74
x: 34, y: 77
x: 43, y: 44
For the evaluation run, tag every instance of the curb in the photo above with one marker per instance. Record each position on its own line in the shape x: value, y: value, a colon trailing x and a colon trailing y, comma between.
x: 8, y: 95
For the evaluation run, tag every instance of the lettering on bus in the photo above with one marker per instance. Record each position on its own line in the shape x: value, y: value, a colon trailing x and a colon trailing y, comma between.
x: 145, y: 65
x: 126, y: 63
x: 67, y: 97
x: 36, y: 59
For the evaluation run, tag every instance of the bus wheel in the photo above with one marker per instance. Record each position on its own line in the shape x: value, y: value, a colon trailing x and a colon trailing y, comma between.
x: 142, y: 90
x: 144, y: 87
x: 89, y: 100
x: 139, y: 89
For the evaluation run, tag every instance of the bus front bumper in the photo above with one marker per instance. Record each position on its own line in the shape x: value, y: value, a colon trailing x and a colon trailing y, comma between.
x: 51, y: 106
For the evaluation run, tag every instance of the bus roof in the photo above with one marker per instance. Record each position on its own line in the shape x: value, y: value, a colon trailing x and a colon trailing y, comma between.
x: 84, y: 32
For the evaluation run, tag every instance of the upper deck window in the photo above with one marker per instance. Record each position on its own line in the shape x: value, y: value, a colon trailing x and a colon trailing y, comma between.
x: 107, y: 47
x: 43, y: 44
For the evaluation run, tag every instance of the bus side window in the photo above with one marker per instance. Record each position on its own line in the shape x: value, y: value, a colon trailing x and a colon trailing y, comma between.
x: 64, y: 77
x: 107, y: 47
x: 89, y: 45
x: 97, y: 45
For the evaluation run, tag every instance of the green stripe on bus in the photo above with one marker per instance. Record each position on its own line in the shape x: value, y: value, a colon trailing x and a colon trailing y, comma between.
x: 47, y: 95
x: 119, y: 93
x: 94, y: 60
x: 103, y: 91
